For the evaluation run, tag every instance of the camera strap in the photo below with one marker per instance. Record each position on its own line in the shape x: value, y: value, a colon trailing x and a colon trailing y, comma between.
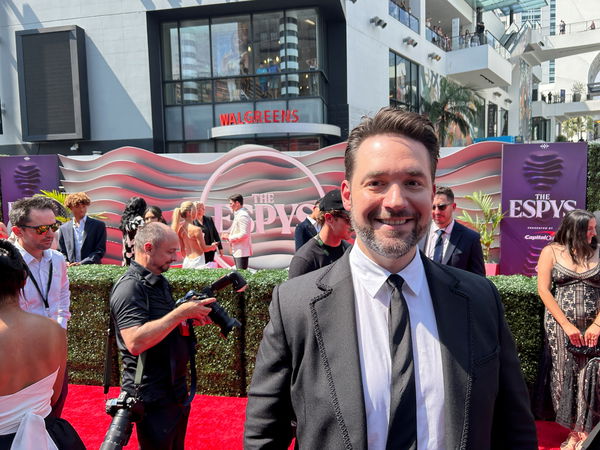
x: 193, y: 376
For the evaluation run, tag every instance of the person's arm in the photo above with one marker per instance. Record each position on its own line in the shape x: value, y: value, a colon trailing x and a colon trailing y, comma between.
x: 61, y: 311
x: 269, y: 410
x: 210, y: 224
x: 476, y: 263
x: 99, y: 246
x: 544, y: 282
x: 60, y: 335
x: 181, y: 244
x: 140, y: 338
x: 514, y: 425
x: 199, y: 236
x: 245, y: 225
x: 299, y: 266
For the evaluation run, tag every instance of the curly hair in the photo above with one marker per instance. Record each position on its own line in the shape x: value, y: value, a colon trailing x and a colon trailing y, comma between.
x: 78, y: 198
x: 13, y: 269
x: 136, y: 206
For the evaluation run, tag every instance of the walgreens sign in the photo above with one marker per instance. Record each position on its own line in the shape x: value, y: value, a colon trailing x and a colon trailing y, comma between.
x: 264, y: 116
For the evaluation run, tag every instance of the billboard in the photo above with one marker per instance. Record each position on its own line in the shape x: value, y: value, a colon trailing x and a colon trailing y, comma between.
x: 540, y: 184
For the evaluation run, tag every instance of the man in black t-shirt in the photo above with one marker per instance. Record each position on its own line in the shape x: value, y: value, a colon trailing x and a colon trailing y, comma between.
x: 329, y: 245
x: 146, y: 321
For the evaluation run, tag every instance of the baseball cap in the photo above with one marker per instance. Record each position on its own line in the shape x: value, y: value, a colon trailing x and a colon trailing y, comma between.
x: 332, y: 201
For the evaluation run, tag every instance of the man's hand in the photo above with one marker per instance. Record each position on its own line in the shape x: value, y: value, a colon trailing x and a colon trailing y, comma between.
x: 197, y: 309
x: 73, y: 264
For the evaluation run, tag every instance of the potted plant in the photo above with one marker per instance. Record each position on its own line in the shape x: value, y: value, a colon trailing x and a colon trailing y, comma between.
x: 486, y: 225
x: 578, y: 90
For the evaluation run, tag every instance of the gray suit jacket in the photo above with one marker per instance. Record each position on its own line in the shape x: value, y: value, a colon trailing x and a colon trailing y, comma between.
x: 94, y: 241
x: 308, y: 369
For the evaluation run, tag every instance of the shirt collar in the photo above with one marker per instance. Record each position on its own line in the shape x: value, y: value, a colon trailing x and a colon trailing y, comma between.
x: 150, y: 277
x: 81, y: 222
x: 447, y: 229
x: 29, y: 258
x: 372, y: 276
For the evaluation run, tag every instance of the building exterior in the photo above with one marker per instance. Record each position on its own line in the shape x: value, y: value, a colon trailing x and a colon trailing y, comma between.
x: 178, y: 77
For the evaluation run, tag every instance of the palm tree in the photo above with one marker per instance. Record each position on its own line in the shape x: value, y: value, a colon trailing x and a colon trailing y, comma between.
x: 456, y: 105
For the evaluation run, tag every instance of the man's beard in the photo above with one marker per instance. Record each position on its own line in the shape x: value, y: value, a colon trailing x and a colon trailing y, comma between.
x: 397, y: 244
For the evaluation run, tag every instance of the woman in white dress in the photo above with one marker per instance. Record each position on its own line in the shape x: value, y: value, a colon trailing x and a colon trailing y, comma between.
x: 33, y: 351
x: 191, y: 237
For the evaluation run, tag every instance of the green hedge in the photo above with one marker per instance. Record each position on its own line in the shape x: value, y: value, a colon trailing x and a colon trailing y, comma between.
x: 593, y: 180
x: 225, y: 366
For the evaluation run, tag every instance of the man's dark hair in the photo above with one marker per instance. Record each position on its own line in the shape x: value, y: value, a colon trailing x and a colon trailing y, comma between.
x: 20, y: 210
x: 393, y: 121
x: 237, y: 198
x: 445, y: 190
x: 13, y: 269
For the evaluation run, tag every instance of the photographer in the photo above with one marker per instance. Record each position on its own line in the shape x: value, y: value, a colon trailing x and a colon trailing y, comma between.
x: 146, y: 321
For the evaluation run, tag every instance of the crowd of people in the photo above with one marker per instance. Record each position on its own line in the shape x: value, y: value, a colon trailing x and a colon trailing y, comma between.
x: 386, y: 297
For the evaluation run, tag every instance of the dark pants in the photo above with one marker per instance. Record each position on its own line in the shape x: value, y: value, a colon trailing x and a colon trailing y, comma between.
x: 209, y: 256
x: 241, y: 263
x: 163, y: 426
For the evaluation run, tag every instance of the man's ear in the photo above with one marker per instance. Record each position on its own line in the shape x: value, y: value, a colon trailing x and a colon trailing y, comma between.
x: 148, y: 247
x: 18, y: 232
x: 346, y: 195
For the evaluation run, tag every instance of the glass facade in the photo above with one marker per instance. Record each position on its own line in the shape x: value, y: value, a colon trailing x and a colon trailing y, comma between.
x: 235, y: 64
x: 403, y: 82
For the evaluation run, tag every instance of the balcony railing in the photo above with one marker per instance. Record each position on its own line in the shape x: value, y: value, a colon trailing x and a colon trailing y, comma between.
x: 403, y: 16
x: 475, y: 40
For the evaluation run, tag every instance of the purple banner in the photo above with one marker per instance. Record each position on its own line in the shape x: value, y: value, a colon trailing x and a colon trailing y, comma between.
x: 540, y: 184
x: 24, y: 176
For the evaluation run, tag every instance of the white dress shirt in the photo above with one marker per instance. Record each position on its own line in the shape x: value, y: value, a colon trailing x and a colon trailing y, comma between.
x: 433, y: 238
x: 372, y: 314
x: 59, y: 296
x: 78, y: 230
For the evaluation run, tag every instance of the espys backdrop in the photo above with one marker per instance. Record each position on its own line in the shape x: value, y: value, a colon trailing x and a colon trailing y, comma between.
x: 279, y: 189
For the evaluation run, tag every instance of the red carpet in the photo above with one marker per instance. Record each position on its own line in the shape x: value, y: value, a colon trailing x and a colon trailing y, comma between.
x: 215, y: 422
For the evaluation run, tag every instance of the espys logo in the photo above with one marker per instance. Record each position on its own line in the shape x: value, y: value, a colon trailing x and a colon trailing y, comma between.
x: 540, y: 236
x: 266, y: 211
x: 543, y: 171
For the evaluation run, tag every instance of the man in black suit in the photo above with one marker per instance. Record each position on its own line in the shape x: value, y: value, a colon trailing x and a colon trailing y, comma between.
x: 82, y: 240
x: 449, y: 242
x: 385, y: 349
x: 308, y: 228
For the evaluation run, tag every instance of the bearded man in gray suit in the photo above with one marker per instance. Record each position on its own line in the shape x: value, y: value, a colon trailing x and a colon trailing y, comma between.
x: 384, y: 348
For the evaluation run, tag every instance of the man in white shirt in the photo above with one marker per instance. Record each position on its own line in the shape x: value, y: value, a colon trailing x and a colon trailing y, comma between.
x: 385, y: 349
x: 239, y: 233
x: 450, y: 242
x: 46, y: 291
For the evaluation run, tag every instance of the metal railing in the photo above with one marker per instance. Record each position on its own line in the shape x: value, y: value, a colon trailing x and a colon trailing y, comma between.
x: 475, y: 40
x: 403, y: 16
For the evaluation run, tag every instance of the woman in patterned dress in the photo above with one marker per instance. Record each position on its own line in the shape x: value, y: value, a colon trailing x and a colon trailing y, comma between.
x: 131, y: 220
x: 571, y: 263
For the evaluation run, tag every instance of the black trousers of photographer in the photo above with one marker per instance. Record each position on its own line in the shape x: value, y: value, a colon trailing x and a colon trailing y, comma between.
x: 163, y: 427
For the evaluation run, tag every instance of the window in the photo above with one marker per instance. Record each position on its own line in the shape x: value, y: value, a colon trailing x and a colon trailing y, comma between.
x: 403, y: 82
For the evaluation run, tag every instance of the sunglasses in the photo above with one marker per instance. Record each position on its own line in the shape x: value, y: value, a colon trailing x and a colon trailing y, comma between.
x: 441, y: 206
x: 42, y: 229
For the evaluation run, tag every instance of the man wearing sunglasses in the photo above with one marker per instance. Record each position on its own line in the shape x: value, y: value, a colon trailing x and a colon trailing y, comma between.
x: 330, y: 243
x: 46, y: 291
x: 449, y: 242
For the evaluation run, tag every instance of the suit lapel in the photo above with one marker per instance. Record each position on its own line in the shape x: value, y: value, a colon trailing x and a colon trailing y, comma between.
x: 334, y: 320
x: 453, y: 242
x: 452, y: 310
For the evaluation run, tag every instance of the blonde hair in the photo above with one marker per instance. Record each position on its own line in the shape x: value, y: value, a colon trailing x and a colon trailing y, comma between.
x: 179, y: 213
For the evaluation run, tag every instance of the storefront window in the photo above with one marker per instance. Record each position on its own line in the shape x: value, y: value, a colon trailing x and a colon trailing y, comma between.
x: 224, y: 65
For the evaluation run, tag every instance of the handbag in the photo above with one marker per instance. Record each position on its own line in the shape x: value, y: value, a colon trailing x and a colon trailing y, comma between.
x: 584, y: 350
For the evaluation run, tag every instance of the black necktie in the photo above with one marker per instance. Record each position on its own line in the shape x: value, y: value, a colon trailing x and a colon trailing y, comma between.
x: 402, y: 432
x: 439, y: 247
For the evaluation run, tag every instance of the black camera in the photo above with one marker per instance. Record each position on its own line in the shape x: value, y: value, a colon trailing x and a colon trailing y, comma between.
x: 218, y: 314
x: 125, y: 409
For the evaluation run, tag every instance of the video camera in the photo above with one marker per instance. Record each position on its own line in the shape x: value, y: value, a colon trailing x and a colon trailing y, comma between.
x: 126, y: 408
x: 218, y: 315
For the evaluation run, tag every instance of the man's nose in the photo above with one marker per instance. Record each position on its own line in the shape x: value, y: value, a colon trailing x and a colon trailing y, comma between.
x: 394, y: 197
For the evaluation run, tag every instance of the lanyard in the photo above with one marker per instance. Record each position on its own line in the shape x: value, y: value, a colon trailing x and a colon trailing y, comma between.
x: 33, y: 280
x: 321, y: 244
